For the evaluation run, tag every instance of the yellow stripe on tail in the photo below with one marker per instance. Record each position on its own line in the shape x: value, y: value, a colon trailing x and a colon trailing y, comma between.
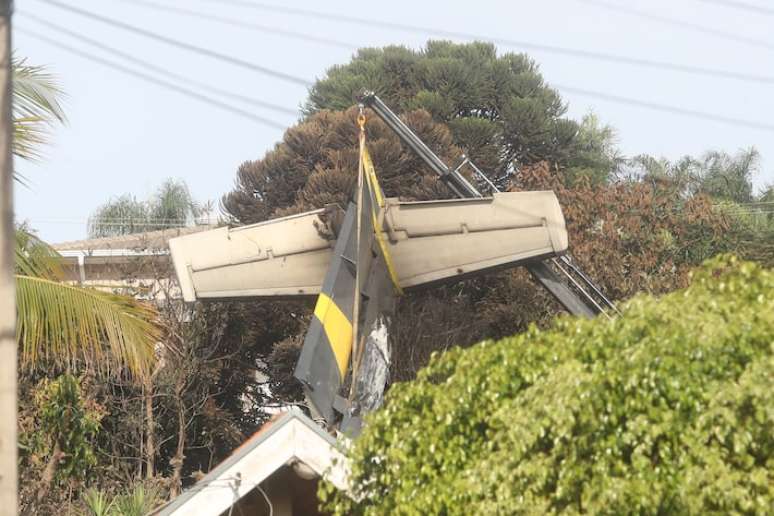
x: 338, y: 329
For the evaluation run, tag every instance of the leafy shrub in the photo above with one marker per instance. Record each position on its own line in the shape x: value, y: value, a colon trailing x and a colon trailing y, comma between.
x: 62, y: 430
x: 666, y: 410
x: 134, y: 501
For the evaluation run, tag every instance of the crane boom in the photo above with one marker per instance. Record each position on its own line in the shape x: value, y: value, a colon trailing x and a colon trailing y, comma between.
x: 581, y: 303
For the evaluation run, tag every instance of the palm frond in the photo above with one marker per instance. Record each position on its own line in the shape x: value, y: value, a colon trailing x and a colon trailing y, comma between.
x: 36, y: 92
x: 36, y: 258
x: 64, y: 323
x: 36, y: 108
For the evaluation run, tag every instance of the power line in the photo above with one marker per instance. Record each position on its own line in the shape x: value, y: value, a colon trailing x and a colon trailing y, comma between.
x: 743, y: 5
x: 573, y: 52
x: 181, y: 44
x: 134, y: 73
x: 667, y: 108
x: 578, y: 91
x: 158, y: 69
x: 243, y: 24
x: 678, y: 23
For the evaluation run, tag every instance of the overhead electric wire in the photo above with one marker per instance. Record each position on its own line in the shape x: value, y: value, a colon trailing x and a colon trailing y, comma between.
x: 743, y: 5
x: 505, y: 42
x: 158, y: 69
x: 172, y: 86
x: 667, y: 108
x: 623, y: 8
x: 181, y: 44
x: 579, y: 91
x: 242, y: 24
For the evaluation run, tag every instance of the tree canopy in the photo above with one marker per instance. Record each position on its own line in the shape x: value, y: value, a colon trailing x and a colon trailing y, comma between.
x: 499, y: 109
x: 172, y: 205
x: 629, y: 235
x: 665, y: 410
x: 717, y: 174
x: 226, y: 363
x: 460, y: 98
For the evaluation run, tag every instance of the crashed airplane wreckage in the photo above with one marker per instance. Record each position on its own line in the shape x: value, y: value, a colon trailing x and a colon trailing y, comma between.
x: 359, y: 259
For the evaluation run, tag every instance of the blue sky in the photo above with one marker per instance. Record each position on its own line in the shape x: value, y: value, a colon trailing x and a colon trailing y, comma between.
x: 125, y: 135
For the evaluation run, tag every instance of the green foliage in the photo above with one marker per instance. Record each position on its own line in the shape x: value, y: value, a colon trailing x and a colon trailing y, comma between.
x: 717, y: 174
x: 36, y: 107
x: 136, y: 501
x: 753, y: 232
x: 596, y: 156
x: 34, y: 257
x: 123, y: 215
x: 65, y: 323
x: 64, y: 428
x: 500, y: 111
x: 665, y: 410
x: 172, y: 205
x: 730, y: 177
x: 97, y: 503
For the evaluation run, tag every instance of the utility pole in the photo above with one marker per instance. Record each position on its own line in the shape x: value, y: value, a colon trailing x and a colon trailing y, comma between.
x: 8, y: 475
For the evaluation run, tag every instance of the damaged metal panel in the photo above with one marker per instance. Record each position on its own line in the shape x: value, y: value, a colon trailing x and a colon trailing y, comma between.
x: 371, y: 368
x: 324, y: 360
x: 282, y: 257
x: 437, y: 240
x: 428, y: 241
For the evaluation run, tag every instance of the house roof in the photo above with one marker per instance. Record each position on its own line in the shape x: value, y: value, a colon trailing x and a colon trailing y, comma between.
x: 288, y: 437
x: 147, y: 240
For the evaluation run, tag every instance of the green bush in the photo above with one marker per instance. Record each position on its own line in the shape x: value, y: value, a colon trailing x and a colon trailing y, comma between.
x: 62, y: 430
x: 137, y: 500
x: 668, y: 409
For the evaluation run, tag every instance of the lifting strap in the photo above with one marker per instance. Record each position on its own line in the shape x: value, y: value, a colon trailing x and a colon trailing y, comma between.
x: 368, y: 172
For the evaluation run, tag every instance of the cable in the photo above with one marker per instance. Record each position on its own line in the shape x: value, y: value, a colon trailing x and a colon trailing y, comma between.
x: 742, y: 5
x: 679, y: 23
x: 266, y: 497
x: 578, y: 91
x: 154, y: 80
x: 181, y: 44
x: 158, y: 69
x: 243, y: 24
x: 585, y: 54
x: 667, y: 108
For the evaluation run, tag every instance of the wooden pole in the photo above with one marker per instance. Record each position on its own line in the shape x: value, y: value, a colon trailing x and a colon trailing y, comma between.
x: 8, y: 474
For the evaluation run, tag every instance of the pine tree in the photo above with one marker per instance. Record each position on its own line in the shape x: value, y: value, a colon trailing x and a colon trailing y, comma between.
x: 464, y: 98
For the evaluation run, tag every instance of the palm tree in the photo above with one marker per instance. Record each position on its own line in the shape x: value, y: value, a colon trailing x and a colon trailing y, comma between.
x: 36, y: 108
x: 57, y: 320
x: 61, y: 322
x: 171, y: 206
